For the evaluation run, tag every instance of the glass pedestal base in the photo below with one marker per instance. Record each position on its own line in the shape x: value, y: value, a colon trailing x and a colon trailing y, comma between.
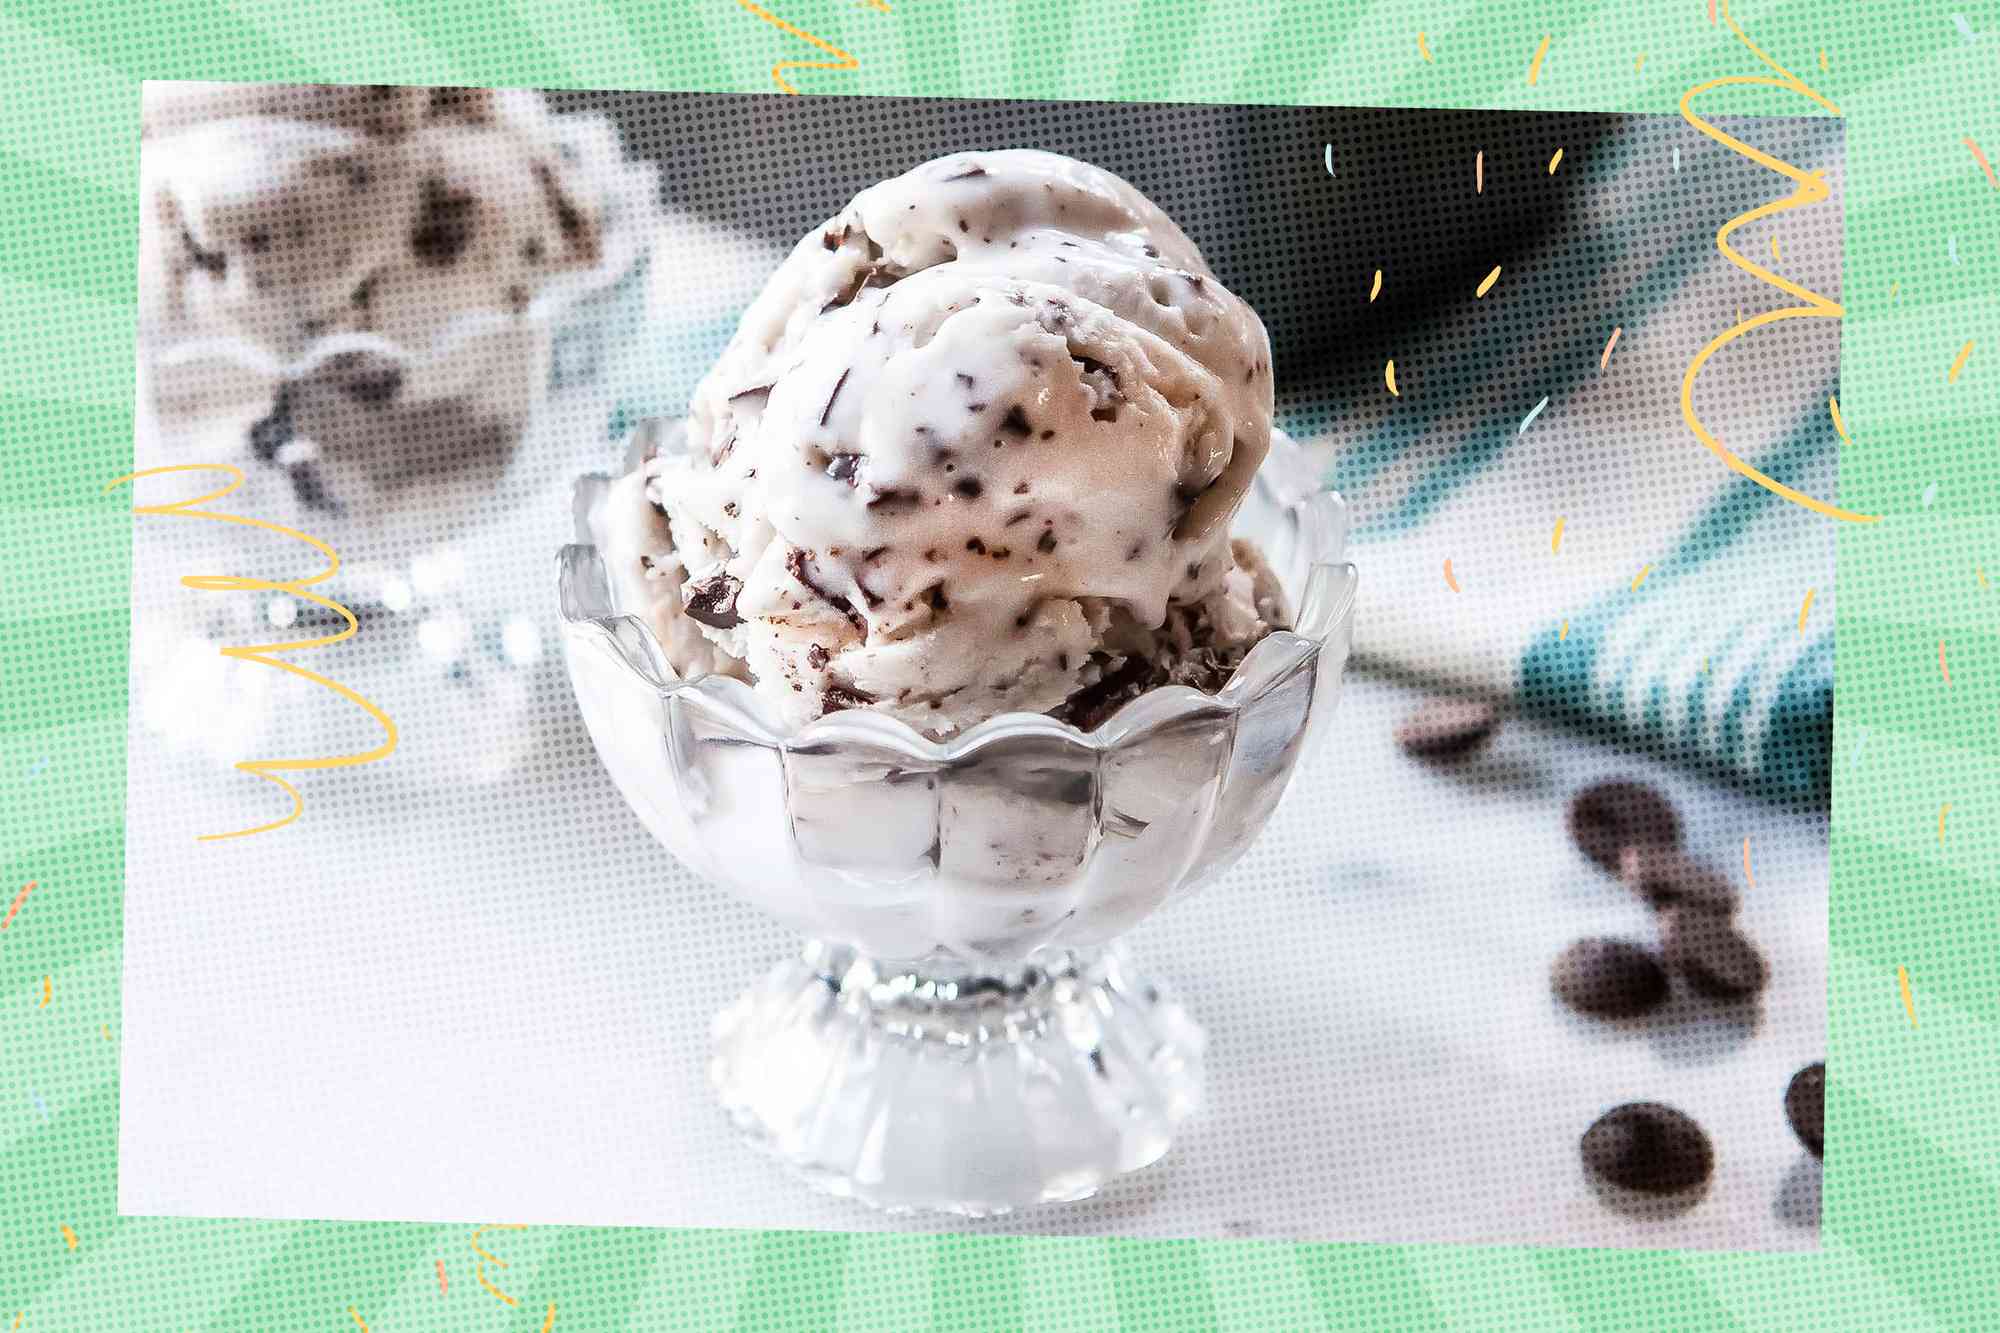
x: 947, y: 1089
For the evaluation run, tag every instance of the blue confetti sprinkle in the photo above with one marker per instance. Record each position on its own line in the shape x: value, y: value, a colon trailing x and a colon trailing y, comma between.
x: 1964, y: 28
x: 1677, y: 159
x: 1951, y: 247
x: 40, y: 1105
x: 35, y: 769
x: 1533, y: 412
x: 1858, y: 747
x: 1930, y: 494
x: 1329, y: 161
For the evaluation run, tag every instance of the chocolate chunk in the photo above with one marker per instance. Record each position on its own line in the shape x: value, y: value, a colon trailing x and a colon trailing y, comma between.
x: 834, y: 698
x: 568, y: 220
x: 1447, y: 728
x: 1648, y: 1147
x: 969, y: 173
x: 751, y: 392
x: 1667, y: 877
x: 829, y: 240
x: 1713, y: 956
x: 844, y: 467
x: 976, y: 546
x: 795, y: 564
x: 816, y: 657
x: 275, y: 429
x: 894, y: 497
x: 711, y: 601
x: 1805, y: 1107
x: 968, y: 487
x: 1610, y: 978
x: 212, y: 262
x: 934, y: 595
x: 874, y: 553
x: 1016, y: 422
x: 445, y: 224
x: 838, y: 385
x: 1090, y: 706
x: 1020, y: 488
x: 1021, y: 517
x: 1611, y: 816
x: 1047, y: 544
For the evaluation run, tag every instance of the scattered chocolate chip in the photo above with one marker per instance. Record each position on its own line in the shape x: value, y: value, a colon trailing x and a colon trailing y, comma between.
x: 1021, y: 517
x: 1062, y: 661
x: 1020, y: 488
x: 837, y: 697
x: 711, y: 601
x: 934, y: 596
x: 874, y: 552
x: 274, y: 430
x: 531, y: 250
x: 844, y: 467
x: 1048, y: 435
x: 1088, y: 708
x: 1016, y: 422
x: 795, y: 565
x: 753, y: 391
x: 968, y: 487
x: 258, y: 240
x: 568, y: 221
x: 1001, y: 552
x: 963, y: 378
x: 1713, y: 957
x: 893, y: 498
x: 829, y: 240
x: 1047, y: 544
x: 445, y: 224
x: 816, y: 657
x: 1668, y: 877
x: 1611, y: 816
x: 974, y: 545
x: 1648, y: 1147
x: 1609, y: 978
x: 1805, y: 1107
x: 962, y: 225
x: 1136, y: 550
x: 1150, y: 251
x: 1447, y: 728
x: 975, y: 407
x: 729, y: 508
x: 968, y: 174
x: 838, y: 385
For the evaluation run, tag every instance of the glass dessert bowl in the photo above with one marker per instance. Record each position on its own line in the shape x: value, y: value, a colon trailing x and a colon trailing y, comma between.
x: 961, y: 1033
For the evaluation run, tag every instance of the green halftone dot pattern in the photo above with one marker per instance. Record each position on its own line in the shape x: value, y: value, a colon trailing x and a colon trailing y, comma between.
x: 1911, y: 1224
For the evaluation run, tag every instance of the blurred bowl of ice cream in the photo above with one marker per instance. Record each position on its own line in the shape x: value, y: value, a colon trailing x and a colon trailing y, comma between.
x: 363, y: 296
x: 974, y: 612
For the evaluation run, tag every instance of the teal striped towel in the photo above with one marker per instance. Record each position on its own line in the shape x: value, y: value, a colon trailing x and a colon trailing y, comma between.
x: 1704, y: 660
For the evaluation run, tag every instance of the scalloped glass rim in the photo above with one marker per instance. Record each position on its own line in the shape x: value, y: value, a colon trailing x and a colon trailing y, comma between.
x: 584, y: 599
x: 631, y: 211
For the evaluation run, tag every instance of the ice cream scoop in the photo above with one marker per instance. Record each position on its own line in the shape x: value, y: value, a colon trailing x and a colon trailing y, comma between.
x: 974, y: 448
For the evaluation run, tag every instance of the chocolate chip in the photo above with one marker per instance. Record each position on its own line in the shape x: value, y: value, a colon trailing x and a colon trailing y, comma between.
x: 968, y: 487
x: 838, y: 385
x: 258, y: 240
x: 1610, y: 978
x: 1016, y: 422
x: 1020, y: 488
x: 212, y: 262
x: 1021, y: 517
x: 1667, y: 877
x: 837, y: 697
x: 1048, y: 435
x: 969, y: 173
x: 1713, y: 957
x: 1446, y: 728
x: 962, y: 225
x: 894, y: 498
x: 751, y: 392
x: 974, y: 545
x: 934, y: 596
x: 1136, y: 550
x: 1805, y: 1107
x: 1611, y: 816
x: 844, y: 467
x: 711, y: 601
x: 829, y: 240
x: 531, y: 249
x: 274, y: 430
x: 816, y: 657
x: 444, y: 225
x: 963, y: 378
x: 1648, y: 1147
x: 568, y: 221
x: 1047, y: 544
x: 795, y: 565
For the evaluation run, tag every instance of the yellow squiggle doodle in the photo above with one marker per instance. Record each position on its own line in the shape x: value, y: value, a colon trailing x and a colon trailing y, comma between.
x: 1811, y: 189
x: 268, y: 769
x: 844, y: 62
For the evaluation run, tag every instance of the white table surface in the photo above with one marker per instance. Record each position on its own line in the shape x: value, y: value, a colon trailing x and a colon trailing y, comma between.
x: 445, y: 998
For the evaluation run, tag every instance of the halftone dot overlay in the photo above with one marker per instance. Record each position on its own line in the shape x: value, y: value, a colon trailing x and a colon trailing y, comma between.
x: 1911, y: 1223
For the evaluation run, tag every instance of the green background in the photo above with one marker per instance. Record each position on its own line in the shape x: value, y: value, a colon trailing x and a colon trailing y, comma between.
x: 1912, y: 1218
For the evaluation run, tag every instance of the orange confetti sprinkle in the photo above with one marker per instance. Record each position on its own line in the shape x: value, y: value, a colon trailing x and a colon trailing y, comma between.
x: 1604, y: 357
x: 1555, y: 161
x: 444, y: 1287
x: 1942, y: 665
x: 1640, y: 63
x: 19, y: 898
x: 105, y: 1028
x: 480, y: 1273
x: 355, y: 1315
x: 1423, y: 47
x: 1895, y: 287
x: 1389, y: 377
x: 1535, y: 66
x: 1711, y: 11
x: 1487, y: 284
x: 1776, y: 258
x: 1805, y: 608
x: 1833, y: 406
x: 1746, y: 863
x: 1562, y: 637
x: 1822, y: 57
x: 1479, y: 172
x: 1909, y: 1005
x: 1556, y: 541
x: 550, y: 1322
x: 1643, y: 571
x: 1376, y: 290
x: 48, y: 993
x: 1984, y: 165
x: 1450, y: 580
x: 1951, y: 376
x: 1943, y: 810
x: 1982, y: 575
x: 69, y: 1237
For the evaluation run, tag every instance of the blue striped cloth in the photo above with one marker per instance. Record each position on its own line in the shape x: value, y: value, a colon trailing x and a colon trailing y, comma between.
x: 1704, y: 661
